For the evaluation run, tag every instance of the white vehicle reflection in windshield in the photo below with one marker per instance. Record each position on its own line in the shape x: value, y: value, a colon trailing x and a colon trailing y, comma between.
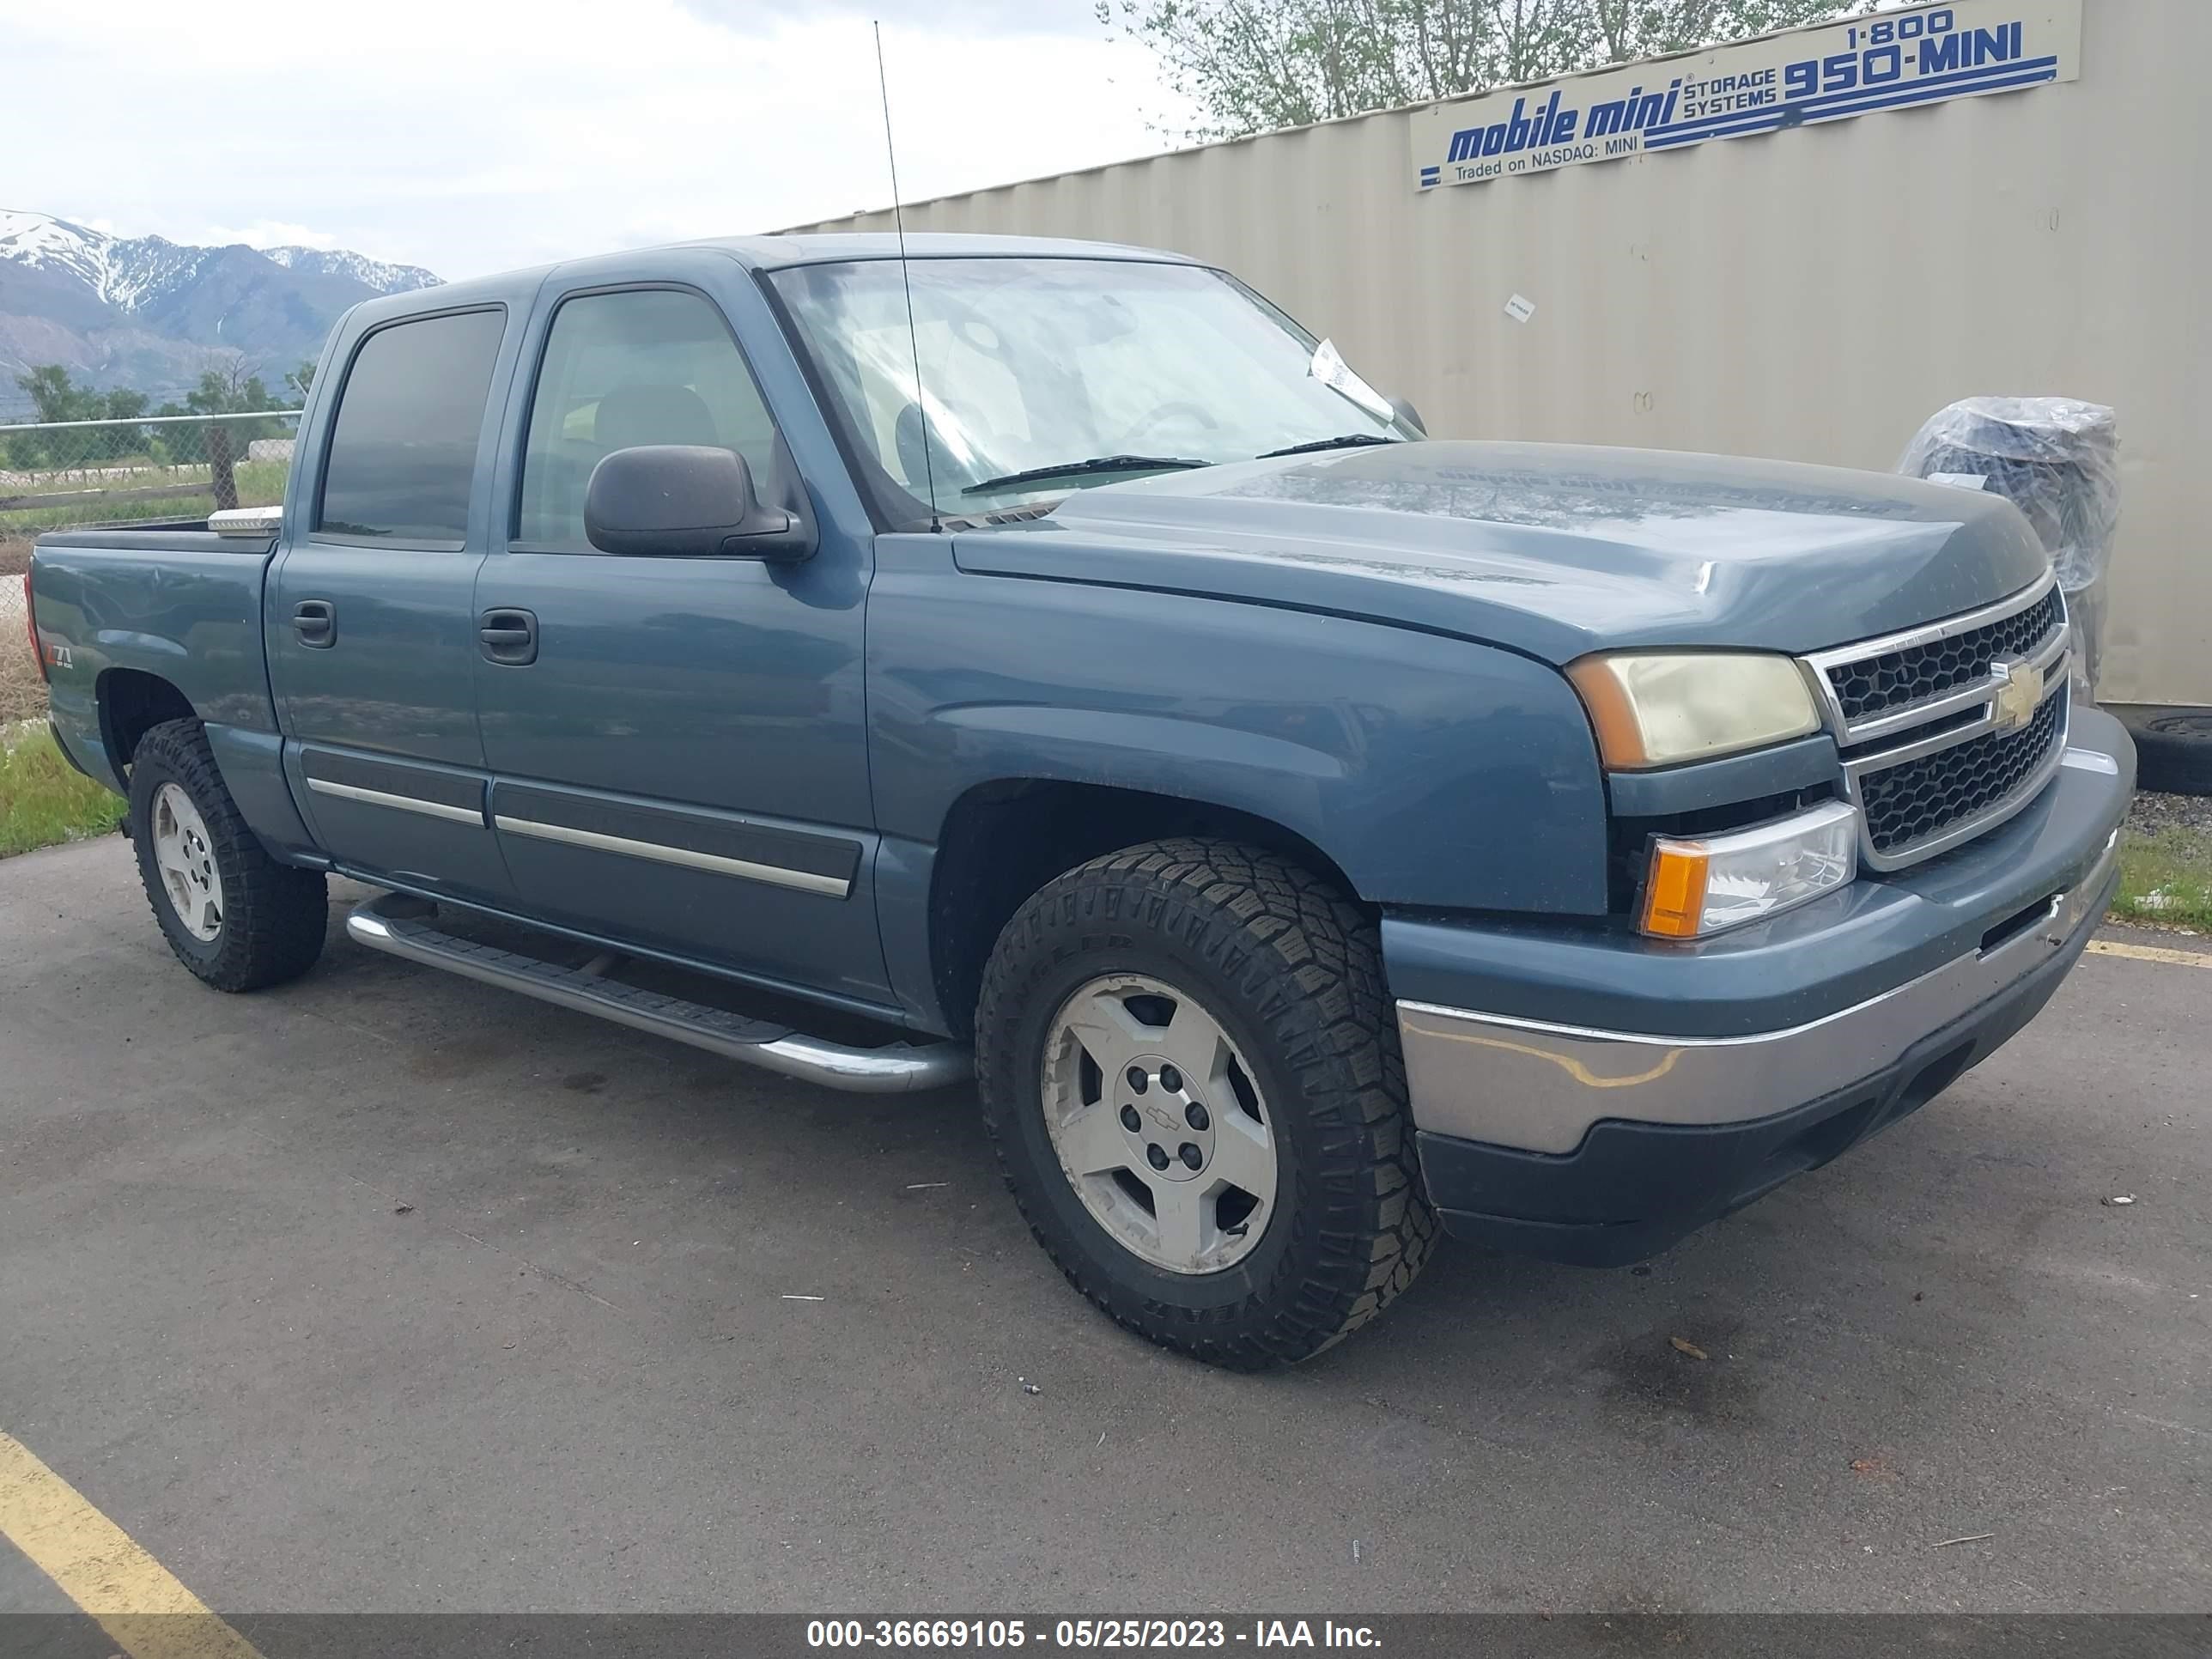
x: 1044, y: 375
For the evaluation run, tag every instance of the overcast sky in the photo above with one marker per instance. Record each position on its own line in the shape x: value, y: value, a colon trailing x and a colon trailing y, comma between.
x: 473, y: 135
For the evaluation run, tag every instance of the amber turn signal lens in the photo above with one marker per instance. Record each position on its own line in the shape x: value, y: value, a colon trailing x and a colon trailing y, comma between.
x: 1704, y: 886
x: 1612, y: 713
x: 1675, y: 895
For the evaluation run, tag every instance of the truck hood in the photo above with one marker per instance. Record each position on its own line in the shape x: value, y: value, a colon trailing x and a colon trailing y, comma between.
x: 1550, y: 549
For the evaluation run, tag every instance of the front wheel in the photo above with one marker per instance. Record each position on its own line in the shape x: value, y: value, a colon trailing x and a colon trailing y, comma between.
x: 1188, y: 1064
x: 233, y: 915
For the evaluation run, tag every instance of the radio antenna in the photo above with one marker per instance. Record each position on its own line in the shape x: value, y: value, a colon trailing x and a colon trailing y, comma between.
x: 906, y: 279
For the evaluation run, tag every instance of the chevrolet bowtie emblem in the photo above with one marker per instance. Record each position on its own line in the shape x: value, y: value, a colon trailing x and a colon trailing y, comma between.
x: 2020, y: 692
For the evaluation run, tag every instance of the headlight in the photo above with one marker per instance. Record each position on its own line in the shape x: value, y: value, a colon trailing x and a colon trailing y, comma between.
x: 1659, y: 708
x: 1701, y: 886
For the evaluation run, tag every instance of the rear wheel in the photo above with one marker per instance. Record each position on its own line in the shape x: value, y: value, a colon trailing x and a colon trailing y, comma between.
x: 1188, y: 1064
x: 232, y: 914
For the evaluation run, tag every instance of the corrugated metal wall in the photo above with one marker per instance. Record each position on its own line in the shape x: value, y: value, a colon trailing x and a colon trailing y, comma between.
x: 1813, y: 294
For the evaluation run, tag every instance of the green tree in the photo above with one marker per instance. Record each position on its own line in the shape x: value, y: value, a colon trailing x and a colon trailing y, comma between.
x: 1256, y: 65
x: 1650, y: 28
x: 298, y: 381
x: 59, y: 399
x: 56, y: 397
x: 227, y: 387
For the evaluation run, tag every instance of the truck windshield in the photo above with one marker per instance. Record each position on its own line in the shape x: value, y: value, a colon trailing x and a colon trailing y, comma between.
x: 1042, y: 376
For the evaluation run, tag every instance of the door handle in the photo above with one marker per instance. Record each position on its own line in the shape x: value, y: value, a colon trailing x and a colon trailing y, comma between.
x: 316, y: 622
x: 509, y: 637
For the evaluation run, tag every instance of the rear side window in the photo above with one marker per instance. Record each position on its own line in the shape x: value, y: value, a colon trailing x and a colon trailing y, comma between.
x: 639, y: 366
x: 403, y: 449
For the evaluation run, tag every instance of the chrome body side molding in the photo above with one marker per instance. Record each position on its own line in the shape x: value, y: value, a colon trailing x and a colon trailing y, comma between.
x: 805, y: 881
x: 428, y: 809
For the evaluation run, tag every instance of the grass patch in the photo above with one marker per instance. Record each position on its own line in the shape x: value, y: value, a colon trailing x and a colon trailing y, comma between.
x: 2166, y: 879
x: 44, y: 799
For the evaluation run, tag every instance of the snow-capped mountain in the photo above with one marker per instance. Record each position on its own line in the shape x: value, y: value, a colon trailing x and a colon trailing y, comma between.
x: 146, y: 311
x: 131, y: 272
x: 380, y: 275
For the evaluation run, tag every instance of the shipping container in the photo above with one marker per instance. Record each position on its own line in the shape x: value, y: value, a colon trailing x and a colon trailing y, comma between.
x: 2012, y: 197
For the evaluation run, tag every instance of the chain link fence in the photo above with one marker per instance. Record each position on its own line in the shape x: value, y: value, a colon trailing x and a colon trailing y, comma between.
x: 63, y: 475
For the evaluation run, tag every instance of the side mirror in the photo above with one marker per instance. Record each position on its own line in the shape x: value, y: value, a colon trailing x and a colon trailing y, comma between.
x: 685, y: 501
x: 1411, y: 416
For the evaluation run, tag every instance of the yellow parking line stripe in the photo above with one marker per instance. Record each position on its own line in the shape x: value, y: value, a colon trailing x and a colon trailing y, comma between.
x: 103, y: 1570
x: 2107, y: 947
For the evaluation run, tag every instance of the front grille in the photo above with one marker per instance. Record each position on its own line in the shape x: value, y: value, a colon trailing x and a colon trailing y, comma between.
x: 1917, y: 716
x: 1896, y: 679
x: 1921, y: 799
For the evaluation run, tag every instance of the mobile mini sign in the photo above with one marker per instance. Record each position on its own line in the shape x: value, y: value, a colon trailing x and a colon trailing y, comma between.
x: 1895, y: 60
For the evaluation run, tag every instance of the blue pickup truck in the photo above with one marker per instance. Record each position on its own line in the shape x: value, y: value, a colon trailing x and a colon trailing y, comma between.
x: 1049, y: 658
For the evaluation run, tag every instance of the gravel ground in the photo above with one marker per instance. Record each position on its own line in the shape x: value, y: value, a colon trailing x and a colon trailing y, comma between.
x: 2151, y: 813
x: 22, y: 694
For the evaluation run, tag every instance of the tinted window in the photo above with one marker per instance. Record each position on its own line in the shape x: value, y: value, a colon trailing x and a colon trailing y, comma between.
x: 652, y: 366
x: 404, y: 446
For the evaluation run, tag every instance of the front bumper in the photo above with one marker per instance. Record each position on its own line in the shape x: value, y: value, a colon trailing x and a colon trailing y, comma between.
x: 1594, y: 1143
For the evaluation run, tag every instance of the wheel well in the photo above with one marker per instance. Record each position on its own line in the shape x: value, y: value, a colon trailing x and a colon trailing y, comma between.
x: 1003, y: 841
x: 132, y: 702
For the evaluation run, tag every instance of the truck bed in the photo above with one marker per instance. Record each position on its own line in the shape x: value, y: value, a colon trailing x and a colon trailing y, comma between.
x: 177, y: 603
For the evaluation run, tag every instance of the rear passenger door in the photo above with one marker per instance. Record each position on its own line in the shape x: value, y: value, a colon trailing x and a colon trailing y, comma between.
x: 372, y: 638
x: 681, y: 762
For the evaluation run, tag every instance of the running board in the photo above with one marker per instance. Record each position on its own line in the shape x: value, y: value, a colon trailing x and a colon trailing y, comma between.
x: 899, y: 1068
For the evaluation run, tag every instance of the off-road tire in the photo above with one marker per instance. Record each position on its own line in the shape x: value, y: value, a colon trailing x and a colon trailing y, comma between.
x: 1293, y: 972
x: 273, y: 917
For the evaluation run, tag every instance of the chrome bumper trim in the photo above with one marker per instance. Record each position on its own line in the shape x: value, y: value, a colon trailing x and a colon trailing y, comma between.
x: 1540, y: 1087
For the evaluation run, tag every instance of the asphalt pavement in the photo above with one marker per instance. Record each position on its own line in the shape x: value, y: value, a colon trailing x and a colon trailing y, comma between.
x: 388, y: 1291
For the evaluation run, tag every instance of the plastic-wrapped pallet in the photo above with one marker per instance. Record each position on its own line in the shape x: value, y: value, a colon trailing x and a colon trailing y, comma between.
x: 2059, y: 461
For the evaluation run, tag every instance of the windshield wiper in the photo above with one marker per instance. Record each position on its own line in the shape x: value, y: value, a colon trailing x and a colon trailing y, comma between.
x: 1349, y: 441
x: 1095, y: 464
